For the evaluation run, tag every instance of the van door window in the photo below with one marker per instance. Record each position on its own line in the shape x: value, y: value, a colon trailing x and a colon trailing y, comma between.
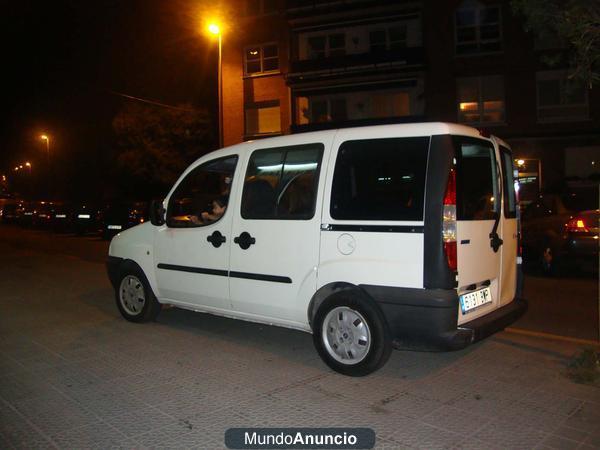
x: 380, y: 179
x: 510, y: 197
x: 477, y: 180
x: 201, y: 198
x: 281, y: 183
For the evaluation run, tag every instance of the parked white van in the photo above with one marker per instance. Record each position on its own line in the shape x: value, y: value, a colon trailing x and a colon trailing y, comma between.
x: 369, y: 238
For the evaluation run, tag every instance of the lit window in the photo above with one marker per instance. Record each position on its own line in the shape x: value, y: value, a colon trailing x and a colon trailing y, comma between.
x: 558, y: 99
x: 481, y: 99
x: 478, y: 29
x: 328, y: 110
x: 263, y: 119
x: 261, y: 59
x: 359, y: 105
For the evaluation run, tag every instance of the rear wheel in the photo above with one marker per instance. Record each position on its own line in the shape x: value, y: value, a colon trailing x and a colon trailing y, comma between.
x: 350, y: 335
x: 135, y: 299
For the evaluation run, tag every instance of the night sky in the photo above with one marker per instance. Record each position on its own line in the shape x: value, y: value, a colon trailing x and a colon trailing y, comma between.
x: 61, y: 60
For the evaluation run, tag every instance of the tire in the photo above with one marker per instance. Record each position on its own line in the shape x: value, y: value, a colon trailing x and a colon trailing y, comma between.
x: 351, y: 335
x: 134, y: 297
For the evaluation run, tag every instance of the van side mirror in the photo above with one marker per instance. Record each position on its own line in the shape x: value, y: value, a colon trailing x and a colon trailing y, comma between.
x: 157, y: 213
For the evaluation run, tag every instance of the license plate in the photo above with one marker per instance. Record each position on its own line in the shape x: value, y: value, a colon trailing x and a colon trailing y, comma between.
x: 115, y: 227
x: 61, y: 216
x: 475, y: 299
x: 83, y: 216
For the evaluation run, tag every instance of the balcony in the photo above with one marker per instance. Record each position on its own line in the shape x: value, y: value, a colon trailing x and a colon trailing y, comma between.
x: 357, y: 64
x: 309, y: 5
x: 319, y: 10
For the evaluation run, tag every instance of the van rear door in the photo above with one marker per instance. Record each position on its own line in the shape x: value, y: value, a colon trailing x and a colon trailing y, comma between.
x: 508, y: 226
x: 478, y: 216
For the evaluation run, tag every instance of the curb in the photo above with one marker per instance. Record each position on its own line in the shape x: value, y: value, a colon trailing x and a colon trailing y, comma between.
x: 552, y: 336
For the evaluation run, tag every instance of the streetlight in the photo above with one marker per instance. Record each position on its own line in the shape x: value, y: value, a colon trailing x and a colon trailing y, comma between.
x: 45, y: 137
x: 215, y: 30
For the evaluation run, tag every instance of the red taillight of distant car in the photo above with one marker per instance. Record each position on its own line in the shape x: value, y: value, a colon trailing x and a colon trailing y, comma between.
x: 576, y: 225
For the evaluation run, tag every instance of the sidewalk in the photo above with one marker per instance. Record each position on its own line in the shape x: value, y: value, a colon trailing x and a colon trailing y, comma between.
x: 73, y: 374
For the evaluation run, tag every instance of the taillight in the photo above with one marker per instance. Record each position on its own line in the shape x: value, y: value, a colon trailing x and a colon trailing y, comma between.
x: 449, y: 222
x: 576, y: 225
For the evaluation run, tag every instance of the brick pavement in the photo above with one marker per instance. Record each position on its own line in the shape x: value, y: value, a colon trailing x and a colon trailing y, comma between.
x: 73, y: 374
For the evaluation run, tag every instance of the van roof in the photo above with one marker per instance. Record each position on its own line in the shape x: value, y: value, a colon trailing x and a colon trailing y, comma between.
x: 392, y: 130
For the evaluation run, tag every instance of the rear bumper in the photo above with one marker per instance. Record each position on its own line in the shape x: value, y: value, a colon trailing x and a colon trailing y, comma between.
x: 427, y: 319
x: 495, y: 321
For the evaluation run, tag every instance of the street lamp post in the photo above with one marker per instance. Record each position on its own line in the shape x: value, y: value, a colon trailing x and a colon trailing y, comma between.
x: 214, y: 29
x: 45, y: 137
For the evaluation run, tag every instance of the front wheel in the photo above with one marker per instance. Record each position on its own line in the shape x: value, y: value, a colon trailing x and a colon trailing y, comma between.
x: 135, y: 299
x: 350, y: 335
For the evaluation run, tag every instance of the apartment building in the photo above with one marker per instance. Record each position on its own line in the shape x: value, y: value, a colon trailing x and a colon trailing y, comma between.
x: 300, y: 65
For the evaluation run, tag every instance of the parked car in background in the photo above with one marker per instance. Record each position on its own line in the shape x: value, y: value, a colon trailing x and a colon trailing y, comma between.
x: 120, y: 216
x: 5, y: 199
x: 25, y: 213
x: 87, y: 218
x: 560, y: 230
x: 42, y: 214
x: 9, y: 212
x: 62, y: 218
x: 8, y: 208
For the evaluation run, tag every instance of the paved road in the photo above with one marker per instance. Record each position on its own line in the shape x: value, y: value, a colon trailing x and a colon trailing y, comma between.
x: 562, y: 306
x: 73, y: 374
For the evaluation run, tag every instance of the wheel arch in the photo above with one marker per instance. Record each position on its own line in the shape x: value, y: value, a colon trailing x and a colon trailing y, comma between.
x: 326, y: 291
x: 116, y: 266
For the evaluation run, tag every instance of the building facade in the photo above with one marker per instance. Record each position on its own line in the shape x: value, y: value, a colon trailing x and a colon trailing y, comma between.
x: 301, y: 65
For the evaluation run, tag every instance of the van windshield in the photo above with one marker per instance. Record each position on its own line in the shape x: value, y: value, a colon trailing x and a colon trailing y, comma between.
x: 477, y: 180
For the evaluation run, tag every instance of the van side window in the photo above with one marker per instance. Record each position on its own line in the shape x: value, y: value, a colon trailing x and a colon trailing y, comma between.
x: 281, y: 183
x: 477, y: 180
x: 510, y: 198
x: 201, y: 197
x: 380, y: 179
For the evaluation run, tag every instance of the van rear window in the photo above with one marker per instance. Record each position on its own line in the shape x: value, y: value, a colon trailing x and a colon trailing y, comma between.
x: 380, y: 179
x: 477, y: 179
x: 510, y: 197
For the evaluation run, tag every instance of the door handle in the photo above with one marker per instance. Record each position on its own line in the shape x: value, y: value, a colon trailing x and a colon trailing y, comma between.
x: 216, y: 239
x: 495, y: 241
x: 244, y: 240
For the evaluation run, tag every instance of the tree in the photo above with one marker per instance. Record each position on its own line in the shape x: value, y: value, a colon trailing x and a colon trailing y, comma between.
x: 157, y: 143
x: 574, y: 22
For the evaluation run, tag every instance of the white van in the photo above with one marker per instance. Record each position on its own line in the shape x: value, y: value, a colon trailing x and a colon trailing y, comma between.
x: 369, y: 238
